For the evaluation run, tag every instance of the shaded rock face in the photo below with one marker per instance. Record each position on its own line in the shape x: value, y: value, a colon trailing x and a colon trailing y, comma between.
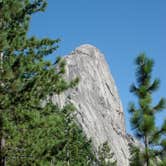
x: 99, y: 109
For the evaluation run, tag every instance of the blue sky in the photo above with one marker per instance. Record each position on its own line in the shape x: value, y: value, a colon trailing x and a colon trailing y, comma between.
x: 121, y: 29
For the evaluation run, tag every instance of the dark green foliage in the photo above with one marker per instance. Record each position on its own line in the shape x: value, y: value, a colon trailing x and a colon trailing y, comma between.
x: 105, y: 157
x: 143, y: 116
x: 47, y: 137
x: 136, y: 158
x: 31, y: 132
x: 14, y: 22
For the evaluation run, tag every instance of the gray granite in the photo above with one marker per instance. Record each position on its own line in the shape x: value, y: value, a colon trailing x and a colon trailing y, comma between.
x: 99, y: 109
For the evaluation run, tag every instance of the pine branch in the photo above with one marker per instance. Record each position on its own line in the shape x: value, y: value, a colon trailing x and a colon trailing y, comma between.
x: 154, y: 86
x: 134, y: 90
x: 132, y: 107
x: 161, y: 105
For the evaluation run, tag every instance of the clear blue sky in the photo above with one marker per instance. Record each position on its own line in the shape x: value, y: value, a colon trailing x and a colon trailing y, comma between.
x: 121, y: 29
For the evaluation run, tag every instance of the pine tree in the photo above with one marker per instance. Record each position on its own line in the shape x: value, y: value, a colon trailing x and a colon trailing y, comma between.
x: 143, y: 116
x: 49, y: 138
x: 136, y: 159
x: 33, y: 133
x: 105, y: 156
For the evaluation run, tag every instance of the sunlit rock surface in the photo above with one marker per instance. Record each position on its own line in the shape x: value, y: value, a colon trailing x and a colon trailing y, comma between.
x: 99, y: 109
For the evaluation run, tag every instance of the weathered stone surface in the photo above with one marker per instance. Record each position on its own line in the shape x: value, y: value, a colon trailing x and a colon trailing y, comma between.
x: 99, y: 109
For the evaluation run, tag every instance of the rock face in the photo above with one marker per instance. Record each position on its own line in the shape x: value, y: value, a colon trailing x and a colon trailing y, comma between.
x: 99, y: 109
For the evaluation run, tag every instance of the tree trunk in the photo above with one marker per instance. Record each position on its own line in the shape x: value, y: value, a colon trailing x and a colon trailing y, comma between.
x: 1, y: 61
x: 147, y: 153
x: 2, y: 142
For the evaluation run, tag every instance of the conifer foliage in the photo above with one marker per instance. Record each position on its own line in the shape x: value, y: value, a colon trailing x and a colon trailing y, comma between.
x: 32, y: 133
x: 143, y: 117
x: 105, y: 156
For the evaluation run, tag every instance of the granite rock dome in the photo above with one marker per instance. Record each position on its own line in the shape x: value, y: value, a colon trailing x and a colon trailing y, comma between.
x: 99, y: 109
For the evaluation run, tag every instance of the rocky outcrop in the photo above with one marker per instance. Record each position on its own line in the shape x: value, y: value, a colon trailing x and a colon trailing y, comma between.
x: 99, y: 109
